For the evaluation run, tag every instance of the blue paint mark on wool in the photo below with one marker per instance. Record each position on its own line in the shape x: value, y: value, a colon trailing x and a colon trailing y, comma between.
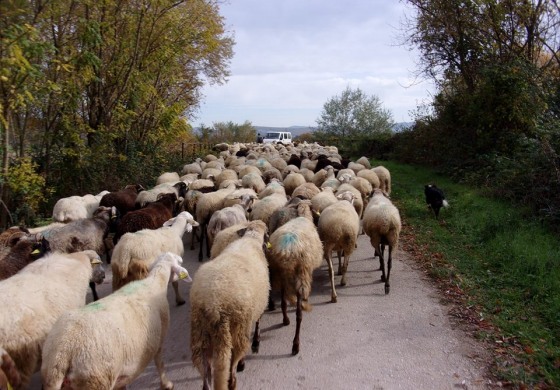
x: 288, y: 240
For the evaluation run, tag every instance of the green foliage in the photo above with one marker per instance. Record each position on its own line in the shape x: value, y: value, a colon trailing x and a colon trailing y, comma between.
x: 505, y: 261
x: 353, y: 119
x: 27, y: 188
x: 228, y: 132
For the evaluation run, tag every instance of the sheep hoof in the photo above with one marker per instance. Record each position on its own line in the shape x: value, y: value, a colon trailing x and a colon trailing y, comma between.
x: 343, y: 282
x: 180, y: 302
x: 241, y: 365
x: 167, y: 386
x: 295, y: 350
x: 387, y: 287
x: 286, y: 321
x: 333, y: 300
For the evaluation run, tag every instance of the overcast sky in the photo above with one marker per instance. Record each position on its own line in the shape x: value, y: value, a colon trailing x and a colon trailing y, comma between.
x: 292, y: 56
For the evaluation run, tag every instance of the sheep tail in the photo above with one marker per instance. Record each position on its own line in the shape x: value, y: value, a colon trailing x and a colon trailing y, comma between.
x: 8, y: 367
x: 445, y: 203
x: 223, y: 342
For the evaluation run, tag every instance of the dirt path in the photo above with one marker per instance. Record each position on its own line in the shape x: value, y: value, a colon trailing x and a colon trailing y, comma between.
x: 368, y: 340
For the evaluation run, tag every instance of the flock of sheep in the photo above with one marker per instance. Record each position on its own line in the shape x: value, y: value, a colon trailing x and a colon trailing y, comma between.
x: 266, y: 215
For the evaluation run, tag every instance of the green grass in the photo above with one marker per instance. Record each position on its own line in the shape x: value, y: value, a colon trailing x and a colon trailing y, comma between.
x: 505, y: 262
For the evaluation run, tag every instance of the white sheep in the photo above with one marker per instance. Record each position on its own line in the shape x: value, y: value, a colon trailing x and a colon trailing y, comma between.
x: 384, y: 178
x: 228, y: 216
x: 194, y: 167
x: 205, y: 207
x: 227, y: 296
x: 265, y: 207
x: 168, y: 177
x: 338, y: 228
x: 292, y: 181
x: 323, y: 199
x: 135, y: 252
x: 107, y: 344
x: 370, y: 176
x: 275, y: 186
x: 382, y: 223
x: 364, y: 161
x: 74, y: 208
x: 295, y: 251
x: 178, y: 188
x: 225, y: 237
x: 253, y: 181
x: 34, y: 298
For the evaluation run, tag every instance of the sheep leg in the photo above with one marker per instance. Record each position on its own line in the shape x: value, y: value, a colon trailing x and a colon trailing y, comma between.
x: 389, y: 264
x: 331, y: 275
x: 271, y: 304
x: 380, y: 251
x: 284, y: 302
x: 194, y: 236
x: 256, y: 338
x: 207, y: 367
x: 179, y: 300
x: 339, y: 254
x: 166, y: 384
x: 344, y: 268
x: 93, y: 290
x: 232, y: 382
x: 299, y: 316
x: 202, y: 234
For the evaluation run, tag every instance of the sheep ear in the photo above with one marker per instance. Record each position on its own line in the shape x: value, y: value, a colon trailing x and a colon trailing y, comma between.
x: 180, y: 273
x: 169, y: 222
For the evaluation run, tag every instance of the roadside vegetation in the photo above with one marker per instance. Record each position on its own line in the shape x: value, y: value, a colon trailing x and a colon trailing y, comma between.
x: 497, y: 262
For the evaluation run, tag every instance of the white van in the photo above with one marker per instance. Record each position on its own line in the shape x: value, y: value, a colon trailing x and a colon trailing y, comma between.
x: 284, y: 137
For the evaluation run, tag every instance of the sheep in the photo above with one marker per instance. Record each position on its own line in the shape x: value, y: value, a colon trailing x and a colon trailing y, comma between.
x: 288, y: 169
x: 333, y: 183
x: 363, y: 186
x: 358, y: 202
x: 225, y: 237
x: 124, y: 200
x: 355, y: 167
x: 294, y: 160
x: 306, y: 191
x: 226, y: 174
x: 307, y: 174
x: 203, y: 185
x: 228, y: 294
x: 435, y: 198
x: 210, y: 173
x: 284, y: 214
x: 345, y: 171
x: 206, y: 206
x: 322, y: 175
x: 338, y: 229
x: 275, y: 186
x: 76, y: 207
x: 295, y: 251
x: 254, y: 181
x: 151, y: 195
x: 83, y: 234
x: 9, y: 375
x: 168, y: 177
x: 34, y: 298
x: 152, y: 216
x: 370, y: 176
x: 135, y: 252
x: 45, y: 228
x: 194, y: 167
x: 24, y: 252
x: 244, y: 196
x: 292, y: 181
x: 12, y: 235
x: 107, y: 357
x: 228, y: 216
x: 364, y: 161
x: 271, y: 174
x: 382, y: 223
x: 323, y: 199
x: 384, y: 178
x: 265, y: 207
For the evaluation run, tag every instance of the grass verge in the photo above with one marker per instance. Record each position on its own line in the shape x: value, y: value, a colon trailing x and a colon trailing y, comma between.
x: 498, y: 264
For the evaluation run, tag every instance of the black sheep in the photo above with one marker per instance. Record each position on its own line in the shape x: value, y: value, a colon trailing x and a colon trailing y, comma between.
x: 435, y: 198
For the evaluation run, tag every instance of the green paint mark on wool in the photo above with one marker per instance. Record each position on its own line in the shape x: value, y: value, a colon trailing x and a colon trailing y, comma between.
x: 288, y: 240
x: 132, y: 287
x: 94, y: 306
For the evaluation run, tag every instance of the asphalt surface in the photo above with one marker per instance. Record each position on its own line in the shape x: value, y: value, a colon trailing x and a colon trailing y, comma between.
x: 367, y: 340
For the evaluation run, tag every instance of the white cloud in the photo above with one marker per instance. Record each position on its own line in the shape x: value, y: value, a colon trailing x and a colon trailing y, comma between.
x: 292, y: 56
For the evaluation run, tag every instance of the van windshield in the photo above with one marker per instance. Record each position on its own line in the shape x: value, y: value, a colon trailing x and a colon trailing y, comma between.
x: 272, y: 135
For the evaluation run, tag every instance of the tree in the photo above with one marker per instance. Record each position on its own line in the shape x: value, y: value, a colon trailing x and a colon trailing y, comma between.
x: 354, y: 115
x: 228, y: 132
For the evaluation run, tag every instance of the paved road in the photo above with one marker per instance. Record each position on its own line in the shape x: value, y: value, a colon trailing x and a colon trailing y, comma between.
x: 368, y: 340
